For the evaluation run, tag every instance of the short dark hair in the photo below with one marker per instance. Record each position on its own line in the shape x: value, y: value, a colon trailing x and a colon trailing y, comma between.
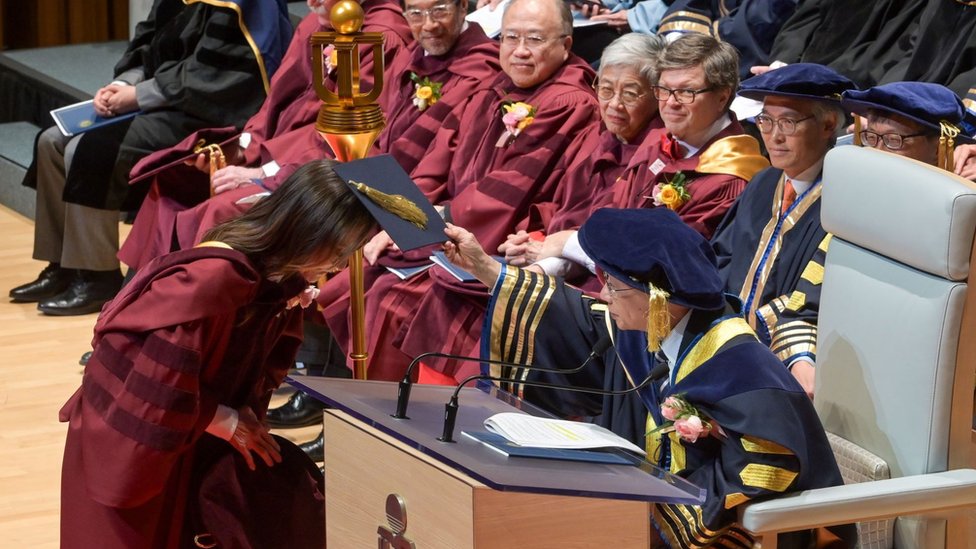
x: 720, y: 60
x: 312, y: 214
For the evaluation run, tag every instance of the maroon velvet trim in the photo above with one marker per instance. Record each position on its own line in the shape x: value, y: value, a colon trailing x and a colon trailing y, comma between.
x: 112, y: 360
x: 154, y: 436
x: 174, y: 357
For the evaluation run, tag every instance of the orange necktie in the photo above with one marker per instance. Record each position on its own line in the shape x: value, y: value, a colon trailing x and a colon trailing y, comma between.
x: 789, y: 196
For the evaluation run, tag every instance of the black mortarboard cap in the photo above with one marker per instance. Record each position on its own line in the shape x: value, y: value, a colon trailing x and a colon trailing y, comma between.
x: 394, y: 200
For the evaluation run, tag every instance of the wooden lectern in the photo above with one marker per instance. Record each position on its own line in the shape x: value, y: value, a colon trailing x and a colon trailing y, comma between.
x: 392, y: 479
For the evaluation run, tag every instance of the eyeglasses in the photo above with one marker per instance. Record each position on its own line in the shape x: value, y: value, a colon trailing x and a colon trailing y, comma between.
x: 627, y: 97
x: 605, y: 280
x: 787, y: 126
x: 892, y: 141
x: 683, y: 96
x: 440, y: 12
x: 531, y: 41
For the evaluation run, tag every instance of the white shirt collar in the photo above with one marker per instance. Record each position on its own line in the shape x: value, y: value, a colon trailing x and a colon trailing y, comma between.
x: 723, y: 122
x: 807, y: 177
x: 671, y: 345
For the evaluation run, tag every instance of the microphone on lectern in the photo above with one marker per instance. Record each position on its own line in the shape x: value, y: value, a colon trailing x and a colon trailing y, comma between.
x: 403, y: 388
x: 450, y: 409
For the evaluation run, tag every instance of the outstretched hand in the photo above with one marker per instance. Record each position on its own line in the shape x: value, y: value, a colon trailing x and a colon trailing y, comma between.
x: 464, y: 250
x: 253, y: 436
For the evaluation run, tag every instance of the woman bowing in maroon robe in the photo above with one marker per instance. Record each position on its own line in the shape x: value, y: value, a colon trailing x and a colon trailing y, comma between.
x: 189, y: 353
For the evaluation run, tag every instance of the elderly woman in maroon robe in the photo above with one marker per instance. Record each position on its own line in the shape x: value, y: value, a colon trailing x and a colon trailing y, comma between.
x: 696, y: 165
x: 190, y: 350
x: 630, y: 116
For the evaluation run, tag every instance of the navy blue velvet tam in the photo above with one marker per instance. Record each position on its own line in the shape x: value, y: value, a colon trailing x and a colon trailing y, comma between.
x: 922, y: 102
x: 808, y: 81
x: 653, y: 245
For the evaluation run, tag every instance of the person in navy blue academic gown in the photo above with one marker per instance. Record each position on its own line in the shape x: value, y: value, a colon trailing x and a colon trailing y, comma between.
x: 745, y: 430
x: 765, y: 243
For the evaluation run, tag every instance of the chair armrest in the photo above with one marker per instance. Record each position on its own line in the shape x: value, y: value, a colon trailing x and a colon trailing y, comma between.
x: 912, y: 495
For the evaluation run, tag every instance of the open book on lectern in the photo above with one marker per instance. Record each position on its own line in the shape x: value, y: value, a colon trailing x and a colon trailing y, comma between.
x: 524, y: 435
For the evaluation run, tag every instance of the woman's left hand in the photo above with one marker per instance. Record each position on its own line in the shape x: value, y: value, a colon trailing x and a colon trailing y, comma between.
x: 304, y: 299
x: 253, y: 436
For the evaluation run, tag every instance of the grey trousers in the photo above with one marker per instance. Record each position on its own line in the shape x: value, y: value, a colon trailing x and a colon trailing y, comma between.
x: 77, y: 237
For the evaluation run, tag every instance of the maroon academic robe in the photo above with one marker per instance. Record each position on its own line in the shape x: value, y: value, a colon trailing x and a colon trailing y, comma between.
x: 194, y: 329
x: 489, y: 190
x: 715, y: 176
x: 470, y: 66
x: 592, y: 174
x: 283, y: 130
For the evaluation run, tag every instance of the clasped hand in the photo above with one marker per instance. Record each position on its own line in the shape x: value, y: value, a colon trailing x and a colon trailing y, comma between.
x: 115, y: 99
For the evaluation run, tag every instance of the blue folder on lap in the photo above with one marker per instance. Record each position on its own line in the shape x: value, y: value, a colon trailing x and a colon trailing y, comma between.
x: 81, y: 117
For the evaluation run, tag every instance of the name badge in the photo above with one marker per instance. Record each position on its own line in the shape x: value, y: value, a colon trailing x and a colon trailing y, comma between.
x: 657, y: 166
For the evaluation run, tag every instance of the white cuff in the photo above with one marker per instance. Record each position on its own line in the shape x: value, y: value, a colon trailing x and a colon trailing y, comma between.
x: 555, y: 266
x: 224, y: 422
x: 270, y: 169
x: 574, y: 252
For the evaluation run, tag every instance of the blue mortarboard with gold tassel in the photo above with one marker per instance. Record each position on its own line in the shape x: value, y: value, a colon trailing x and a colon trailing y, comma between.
x: 655, y: 252
x: 933, y: 106
x: 394, y: 200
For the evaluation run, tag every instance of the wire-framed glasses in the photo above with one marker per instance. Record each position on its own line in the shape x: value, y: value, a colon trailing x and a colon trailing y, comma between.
x: 787, y: 126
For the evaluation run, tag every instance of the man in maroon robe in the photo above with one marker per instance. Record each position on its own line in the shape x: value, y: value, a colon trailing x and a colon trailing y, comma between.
x: 490, y: 161
x: 700, y: 153
x: 275, y: 141
x: 702, y: 160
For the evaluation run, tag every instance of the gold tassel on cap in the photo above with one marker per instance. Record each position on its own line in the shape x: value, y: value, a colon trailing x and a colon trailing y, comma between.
x: 215, y: 155
x: 857, y: 130
x: 396, y: 204
x: 947, y: 144
x: 658, y: 318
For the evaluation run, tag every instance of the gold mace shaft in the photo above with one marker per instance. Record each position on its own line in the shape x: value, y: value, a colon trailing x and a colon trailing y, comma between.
x: 349, y: 121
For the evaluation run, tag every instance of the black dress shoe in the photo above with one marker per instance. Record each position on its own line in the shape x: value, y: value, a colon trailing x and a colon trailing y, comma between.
x: 86, y: 294
x: 300, y: 410
x: 315, y: 448
x: 52, y: 281
x: 85, y: 357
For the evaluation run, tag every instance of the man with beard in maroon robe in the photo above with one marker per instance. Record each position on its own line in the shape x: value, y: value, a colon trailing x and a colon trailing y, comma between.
x: 281, y: 134
x: 490, y: 161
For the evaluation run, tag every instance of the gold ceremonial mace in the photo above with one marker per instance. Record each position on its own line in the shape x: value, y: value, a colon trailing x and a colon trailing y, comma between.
x: 349, y: 121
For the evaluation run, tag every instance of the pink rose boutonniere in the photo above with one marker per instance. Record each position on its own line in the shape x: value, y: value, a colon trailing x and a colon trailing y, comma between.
x: 684, y: 419
x: 516, y: 116
x: 426, y: 92
x: 672, y: 194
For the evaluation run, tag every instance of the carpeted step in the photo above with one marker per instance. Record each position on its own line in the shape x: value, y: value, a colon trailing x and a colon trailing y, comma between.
x: 16, y: 152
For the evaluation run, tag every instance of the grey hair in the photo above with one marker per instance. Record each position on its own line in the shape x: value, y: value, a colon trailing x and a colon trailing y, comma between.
x: 720, y: 60
x: 823, y: 110
x: 639, y: 51
x: 565, y: 15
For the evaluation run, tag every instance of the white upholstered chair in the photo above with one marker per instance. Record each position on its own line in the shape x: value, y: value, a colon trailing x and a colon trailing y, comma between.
x: 896, y: 355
